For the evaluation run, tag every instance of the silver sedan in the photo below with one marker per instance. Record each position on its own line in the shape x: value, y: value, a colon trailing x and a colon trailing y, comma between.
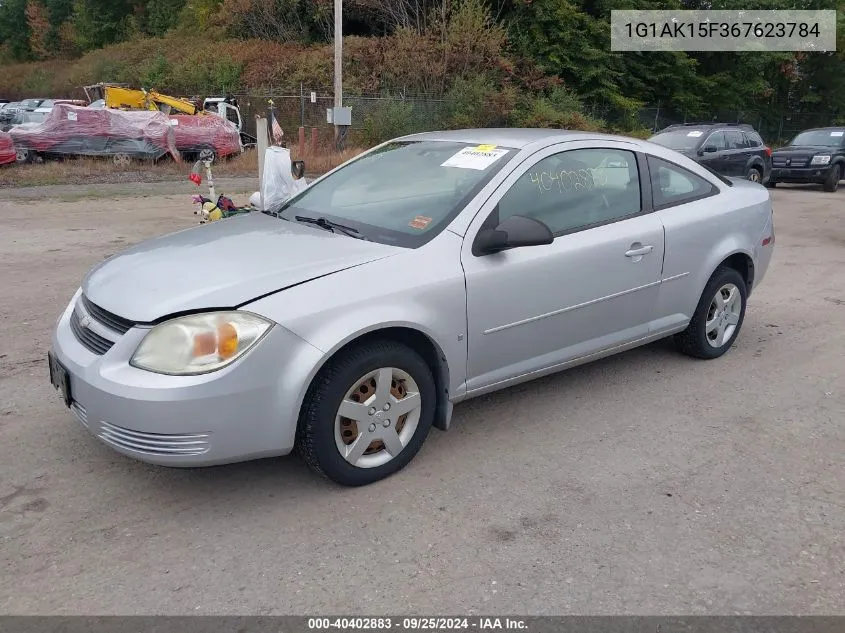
x: 431, y: 269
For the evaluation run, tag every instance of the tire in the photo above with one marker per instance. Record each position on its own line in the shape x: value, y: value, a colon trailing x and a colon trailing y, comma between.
x: 831, y: 183
x: 23, y: 155
x: 121, y: 159
x: 755, y: 174
x: 207, y: 153
x: 695, y: 341
x: 322, y: 433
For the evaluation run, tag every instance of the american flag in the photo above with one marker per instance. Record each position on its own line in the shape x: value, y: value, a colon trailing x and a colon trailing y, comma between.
x: 276, y: 129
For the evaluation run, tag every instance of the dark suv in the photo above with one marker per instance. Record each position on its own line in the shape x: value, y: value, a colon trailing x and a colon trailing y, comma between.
x: 729, y: 149
x: 814, y: 156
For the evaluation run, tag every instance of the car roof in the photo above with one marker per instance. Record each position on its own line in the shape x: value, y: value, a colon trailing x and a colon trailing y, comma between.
x: 706, y: 126
x: 823, y: 129
x: 516, y: 138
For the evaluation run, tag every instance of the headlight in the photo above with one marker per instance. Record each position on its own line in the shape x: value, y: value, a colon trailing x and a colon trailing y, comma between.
x: 821, y: 159
x: 199, y: 343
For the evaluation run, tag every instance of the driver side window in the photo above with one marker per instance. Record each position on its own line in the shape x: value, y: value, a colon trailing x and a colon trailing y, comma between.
x: 576, y: 189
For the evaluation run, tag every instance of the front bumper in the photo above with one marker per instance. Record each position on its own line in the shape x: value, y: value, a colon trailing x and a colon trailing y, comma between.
x: 244, y: 411
x: 815, y: 174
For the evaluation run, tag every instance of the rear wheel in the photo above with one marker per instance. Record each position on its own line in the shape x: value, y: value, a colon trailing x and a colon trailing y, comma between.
x: 367, y: 413
x: 831, y: 183
x: 718, y: 316
x: 755, y: 174
x: 121, y: 159
x: 23, y: 154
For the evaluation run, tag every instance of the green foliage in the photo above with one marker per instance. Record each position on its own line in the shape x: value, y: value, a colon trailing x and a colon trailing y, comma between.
x: 162, y: 15
x: 476, y: 102
x: 157, y: 74
x: 560, y: 109
x: 488, y: 71
x: 14, y: 29
x: 389, y: 119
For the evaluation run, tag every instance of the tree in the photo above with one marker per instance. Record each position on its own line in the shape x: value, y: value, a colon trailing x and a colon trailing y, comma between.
x: 14, y: 30
x: 38, y: 20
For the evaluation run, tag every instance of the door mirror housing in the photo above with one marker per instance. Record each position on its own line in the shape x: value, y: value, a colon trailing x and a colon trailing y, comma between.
x: 515, y: 232
x: 708, y: 149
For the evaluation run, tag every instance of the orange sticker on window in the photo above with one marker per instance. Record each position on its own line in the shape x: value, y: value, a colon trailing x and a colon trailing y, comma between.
x: 420, y: 222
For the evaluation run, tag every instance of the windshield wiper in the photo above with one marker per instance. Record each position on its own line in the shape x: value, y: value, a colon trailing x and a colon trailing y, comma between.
x: 331, y: 226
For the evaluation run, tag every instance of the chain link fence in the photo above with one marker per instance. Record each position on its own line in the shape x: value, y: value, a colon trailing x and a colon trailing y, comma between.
x: 377, y: 117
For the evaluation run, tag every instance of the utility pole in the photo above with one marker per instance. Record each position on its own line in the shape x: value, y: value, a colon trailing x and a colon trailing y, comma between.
x: 338, y: 64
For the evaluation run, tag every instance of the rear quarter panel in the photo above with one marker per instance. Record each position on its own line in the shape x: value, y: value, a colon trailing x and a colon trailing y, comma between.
x: 700, y: 235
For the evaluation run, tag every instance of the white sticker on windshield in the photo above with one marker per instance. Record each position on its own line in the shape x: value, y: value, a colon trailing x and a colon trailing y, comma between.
x: 71, y: 116
x: 174, y: 121
x: 840, y: 133
x: 479, y: 158
x: 695, y: 133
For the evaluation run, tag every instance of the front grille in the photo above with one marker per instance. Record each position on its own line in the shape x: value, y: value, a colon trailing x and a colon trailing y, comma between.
x: 153, y: 443
x: 111, y: 321
x: 90, y: 339
x: 97, y: 338
x: 794, y: 161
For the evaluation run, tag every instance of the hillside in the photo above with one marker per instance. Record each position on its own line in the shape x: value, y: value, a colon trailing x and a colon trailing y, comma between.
x: 461, y: 62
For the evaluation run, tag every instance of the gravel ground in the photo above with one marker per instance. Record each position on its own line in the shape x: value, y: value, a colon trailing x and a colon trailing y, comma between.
x: 647, y: 483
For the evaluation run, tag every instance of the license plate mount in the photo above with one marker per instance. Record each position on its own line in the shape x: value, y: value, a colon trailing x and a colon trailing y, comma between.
x: 59, y: 378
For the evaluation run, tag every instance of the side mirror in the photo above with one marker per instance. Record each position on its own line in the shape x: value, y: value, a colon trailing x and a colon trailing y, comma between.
x: 514, y: 232
x: 708, y: 149
x: 298, y: 169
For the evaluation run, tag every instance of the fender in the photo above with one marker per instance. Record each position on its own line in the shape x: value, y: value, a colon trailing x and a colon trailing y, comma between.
x: 335, y: 336
x: 727, y: 247
x: 332, y: 311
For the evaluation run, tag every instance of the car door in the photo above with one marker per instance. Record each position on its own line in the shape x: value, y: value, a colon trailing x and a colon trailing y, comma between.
x: 534, y: 308
x: 736, y: 154
x: 714, y: 148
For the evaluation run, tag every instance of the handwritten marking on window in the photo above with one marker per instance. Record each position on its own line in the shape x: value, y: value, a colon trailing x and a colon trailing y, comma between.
x: 579, y: 180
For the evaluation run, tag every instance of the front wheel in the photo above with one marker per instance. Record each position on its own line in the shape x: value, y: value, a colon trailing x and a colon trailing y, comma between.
x: 831, y: 183
x: 207, y: 154
x: 367, y: 413
x: 718, y: 316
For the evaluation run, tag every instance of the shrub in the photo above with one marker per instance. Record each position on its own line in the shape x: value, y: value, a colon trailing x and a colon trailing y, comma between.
x: 389, y: 119
x: 477, y: 102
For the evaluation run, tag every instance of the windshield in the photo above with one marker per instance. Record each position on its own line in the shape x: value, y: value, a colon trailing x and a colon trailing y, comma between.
x: 403, y: 193
x: 828, y: 138
x: 685, y: 139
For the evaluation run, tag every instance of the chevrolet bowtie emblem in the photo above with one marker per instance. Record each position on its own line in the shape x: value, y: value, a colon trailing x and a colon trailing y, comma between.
x: 85, y: 321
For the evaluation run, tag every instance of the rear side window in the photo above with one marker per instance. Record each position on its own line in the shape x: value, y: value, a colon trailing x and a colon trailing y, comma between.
x: 735, y: 139
x: 672, y: 185
x: 753, y: 139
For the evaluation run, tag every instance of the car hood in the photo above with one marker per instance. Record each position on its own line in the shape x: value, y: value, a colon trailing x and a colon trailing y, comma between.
x: 806, y: 149
x: 223, y: 264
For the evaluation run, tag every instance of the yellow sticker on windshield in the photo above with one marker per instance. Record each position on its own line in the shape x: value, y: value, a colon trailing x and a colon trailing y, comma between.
x: 486, y: 148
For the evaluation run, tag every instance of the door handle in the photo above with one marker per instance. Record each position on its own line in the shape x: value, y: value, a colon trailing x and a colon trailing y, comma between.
x: 636, y: 252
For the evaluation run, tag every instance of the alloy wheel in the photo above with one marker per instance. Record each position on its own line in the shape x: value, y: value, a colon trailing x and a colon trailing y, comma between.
x: 377, y: 417
x: 723, y: 315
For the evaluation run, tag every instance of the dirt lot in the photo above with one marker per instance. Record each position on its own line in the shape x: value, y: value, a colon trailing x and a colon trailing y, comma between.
x: 647, y: 483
